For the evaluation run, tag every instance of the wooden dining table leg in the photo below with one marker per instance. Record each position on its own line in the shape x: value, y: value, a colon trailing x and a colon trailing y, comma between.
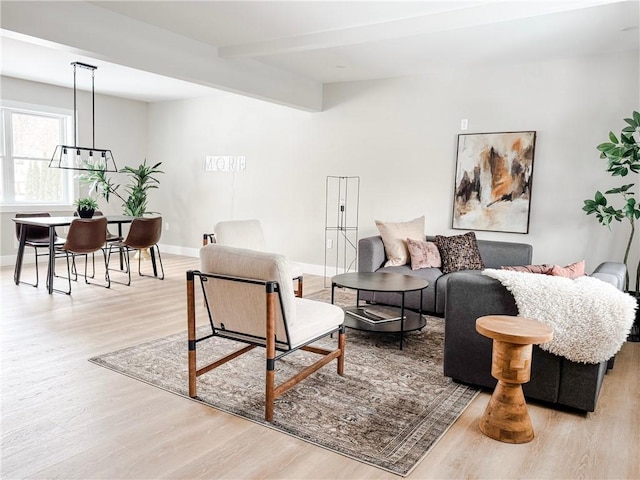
x: 52, y: 258
x: 153, y: 261
x: 17, y: 272
x: 120, y: 252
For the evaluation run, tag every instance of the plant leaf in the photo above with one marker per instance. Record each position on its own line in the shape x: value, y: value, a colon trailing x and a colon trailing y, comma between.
x: 613, y: 138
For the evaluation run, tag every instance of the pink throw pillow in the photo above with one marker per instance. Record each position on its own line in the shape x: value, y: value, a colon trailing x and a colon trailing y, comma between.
x: 573, y: 270
x: 423, y: 254
x: 542, y: 269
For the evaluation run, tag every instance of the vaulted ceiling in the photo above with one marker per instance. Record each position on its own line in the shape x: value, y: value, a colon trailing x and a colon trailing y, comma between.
x: 284, y: 51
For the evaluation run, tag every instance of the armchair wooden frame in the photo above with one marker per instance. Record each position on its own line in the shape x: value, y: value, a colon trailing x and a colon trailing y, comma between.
x: 270, y: 343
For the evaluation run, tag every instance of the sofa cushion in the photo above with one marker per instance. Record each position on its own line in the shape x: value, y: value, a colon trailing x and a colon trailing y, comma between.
x: 459, y: 252
x: 423, y: 254
x: 394, y: 237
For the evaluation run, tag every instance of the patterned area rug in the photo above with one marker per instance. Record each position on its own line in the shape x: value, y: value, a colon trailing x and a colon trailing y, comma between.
x: 388, y: 410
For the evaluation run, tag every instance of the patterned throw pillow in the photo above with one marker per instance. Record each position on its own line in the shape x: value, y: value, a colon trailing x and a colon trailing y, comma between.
x: 394, y: 237
x: 423, y: 254
x: 459, y: 252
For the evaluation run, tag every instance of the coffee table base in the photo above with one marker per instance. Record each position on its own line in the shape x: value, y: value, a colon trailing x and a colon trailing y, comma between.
x: 413, y: 321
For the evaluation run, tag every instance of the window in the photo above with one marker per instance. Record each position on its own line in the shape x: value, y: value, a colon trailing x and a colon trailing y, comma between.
x: 28, y: 139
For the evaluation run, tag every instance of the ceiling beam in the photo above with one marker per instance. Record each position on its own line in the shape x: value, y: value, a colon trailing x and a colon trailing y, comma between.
x: 99, y: 33
x: 483, y: 13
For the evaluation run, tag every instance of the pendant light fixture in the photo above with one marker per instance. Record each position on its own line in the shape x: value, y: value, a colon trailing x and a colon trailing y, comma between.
x: 73, y: 157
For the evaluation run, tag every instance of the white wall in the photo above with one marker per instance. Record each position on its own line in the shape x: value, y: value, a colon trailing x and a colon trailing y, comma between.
x: 121, y: 126
x: 399, y: 136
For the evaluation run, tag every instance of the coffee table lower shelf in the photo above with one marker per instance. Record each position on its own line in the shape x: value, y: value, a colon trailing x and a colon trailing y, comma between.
x: 413, y: 321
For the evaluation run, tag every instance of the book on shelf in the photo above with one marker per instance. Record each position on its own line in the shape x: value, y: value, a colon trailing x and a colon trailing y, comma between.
x: 375, y: 316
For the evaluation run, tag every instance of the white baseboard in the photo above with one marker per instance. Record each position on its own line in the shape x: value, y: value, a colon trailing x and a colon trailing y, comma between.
x: 175, y: 250
x: 28, y: 259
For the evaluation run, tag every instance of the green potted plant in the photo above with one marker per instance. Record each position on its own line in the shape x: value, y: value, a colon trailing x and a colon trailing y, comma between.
x: 142, y: 179
x: 623, y: 157
x: 86, y: 207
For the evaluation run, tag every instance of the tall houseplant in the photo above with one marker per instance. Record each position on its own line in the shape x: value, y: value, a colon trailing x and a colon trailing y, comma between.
x: 142, y: 179
x: 623, y: 157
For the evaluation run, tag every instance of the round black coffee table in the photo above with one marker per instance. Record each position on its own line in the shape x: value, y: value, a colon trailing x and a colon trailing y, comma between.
x: 385, y: 319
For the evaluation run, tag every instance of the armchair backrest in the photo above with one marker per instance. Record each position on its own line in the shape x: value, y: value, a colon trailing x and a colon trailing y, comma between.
x: 238, y: 306
x: 241, y: 234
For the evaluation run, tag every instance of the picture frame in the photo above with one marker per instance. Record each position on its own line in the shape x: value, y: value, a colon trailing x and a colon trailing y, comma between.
x: 492, y: 190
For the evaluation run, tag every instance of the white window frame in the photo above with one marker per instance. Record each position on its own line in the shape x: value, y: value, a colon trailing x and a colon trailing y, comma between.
x: 5, y: 149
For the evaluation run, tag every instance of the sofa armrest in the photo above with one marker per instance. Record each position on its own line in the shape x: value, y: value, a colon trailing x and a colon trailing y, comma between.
x: 371, y: 254
x: 467, y: 354
x: 611, y: 272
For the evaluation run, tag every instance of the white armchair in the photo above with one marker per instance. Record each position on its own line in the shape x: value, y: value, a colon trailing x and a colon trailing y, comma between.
x: 248, y: 234
x: 245, y: 302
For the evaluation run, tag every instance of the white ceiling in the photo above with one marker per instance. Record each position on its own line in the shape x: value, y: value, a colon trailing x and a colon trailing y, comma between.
x: 224, y: 43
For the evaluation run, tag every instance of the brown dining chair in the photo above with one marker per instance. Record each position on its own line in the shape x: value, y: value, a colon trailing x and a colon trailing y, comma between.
x: 36, y: 237
x: 143, y: 233
x: 111, y: 237
x: 85, y: 236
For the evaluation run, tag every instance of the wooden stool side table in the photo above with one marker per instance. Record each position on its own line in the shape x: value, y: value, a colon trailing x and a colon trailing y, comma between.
x: 506, y: 417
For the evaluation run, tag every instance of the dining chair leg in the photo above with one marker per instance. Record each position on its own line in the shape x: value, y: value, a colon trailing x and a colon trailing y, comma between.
x: 37, y: 279
x: 37, y: 275
x: 107, y: 279
x: 152, y: 253
x: 68, y: 277
x: 124, y: 253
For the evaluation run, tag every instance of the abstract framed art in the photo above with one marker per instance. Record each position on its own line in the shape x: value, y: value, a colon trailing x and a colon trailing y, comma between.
x: 493, y: 181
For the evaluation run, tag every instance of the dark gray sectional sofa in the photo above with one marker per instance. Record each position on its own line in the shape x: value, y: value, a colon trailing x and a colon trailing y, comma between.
x: 371, y: 258
x: 467, y: 354
x: 462, y: 297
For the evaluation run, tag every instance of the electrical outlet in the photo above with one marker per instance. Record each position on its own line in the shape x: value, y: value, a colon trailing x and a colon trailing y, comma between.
x: 464, y: 124
x: 166, y: 226
x: 329, y: 243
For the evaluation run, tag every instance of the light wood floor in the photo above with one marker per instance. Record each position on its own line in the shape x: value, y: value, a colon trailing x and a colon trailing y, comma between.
x: 63, y: 417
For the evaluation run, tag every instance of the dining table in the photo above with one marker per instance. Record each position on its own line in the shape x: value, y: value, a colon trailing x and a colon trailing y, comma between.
x: 51, y: 223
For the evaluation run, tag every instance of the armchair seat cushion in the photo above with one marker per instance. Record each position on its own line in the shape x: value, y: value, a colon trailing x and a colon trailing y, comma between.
x: 236, y: 305
x: 317, y: 319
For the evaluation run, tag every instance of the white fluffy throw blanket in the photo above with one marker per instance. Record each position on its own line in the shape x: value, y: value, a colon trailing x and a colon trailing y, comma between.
x: 590, y: 318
